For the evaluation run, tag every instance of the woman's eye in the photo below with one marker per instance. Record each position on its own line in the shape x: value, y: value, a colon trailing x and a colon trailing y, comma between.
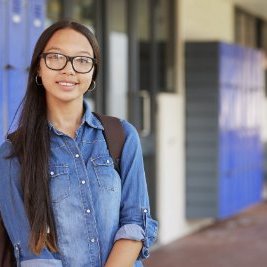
x: 54, y: 56
x: 83, y: 60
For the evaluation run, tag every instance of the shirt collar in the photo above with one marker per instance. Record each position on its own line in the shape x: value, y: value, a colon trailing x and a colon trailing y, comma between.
x: 88, y: 118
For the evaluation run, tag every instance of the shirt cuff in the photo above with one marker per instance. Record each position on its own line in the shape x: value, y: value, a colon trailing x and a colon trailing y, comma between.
x: 41, y: 263
x: 131, y: 232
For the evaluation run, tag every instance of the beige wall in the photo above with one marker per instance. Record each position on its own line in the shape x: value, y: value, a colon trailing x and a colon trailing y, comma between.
x: 207, y: 20
x: 171, y: 169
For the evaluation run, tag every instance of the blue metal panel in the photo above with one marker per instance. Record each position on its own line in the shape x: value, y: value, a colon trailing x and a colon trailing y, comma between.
x: 239, y: 186
x: 226, y: 199
x: 225, y: 63
x: 16, y: 55
x: 17, y: 33
x: 2, y: 32
x: 3, y: 113
x: 36, y: 19
x: 16, y: 80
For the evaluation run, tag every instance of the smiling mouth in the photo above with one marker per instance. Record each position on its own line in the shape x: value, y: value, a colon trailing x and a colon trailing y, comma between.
x: 67, y: 84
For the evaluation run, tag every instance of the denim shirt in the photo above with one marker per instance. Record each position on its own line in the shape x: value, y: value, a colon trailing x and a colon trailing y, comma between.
x: 93, y: 205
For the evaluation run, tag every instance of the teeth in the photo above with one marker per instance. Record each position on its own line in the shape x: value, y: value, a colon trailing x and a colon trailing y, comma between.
x: 66, y: 84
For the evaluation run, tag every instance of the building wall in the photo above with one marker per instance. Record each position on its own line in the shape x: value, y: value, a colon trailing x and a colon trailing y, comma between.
x: 171, y: 170
x: 207, y: 20
x: 195, y: 20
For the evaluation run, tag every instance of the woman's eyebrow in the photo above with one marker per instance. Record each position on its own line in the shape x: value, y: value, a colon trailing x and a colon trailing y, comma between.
x: 85, y: 52
x: 53, y: 48
x: 82, y: 51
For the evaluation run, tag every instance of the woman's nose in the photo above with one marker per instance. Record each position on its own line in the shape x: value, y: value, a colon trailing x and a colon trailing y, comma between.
x: 68, y: 68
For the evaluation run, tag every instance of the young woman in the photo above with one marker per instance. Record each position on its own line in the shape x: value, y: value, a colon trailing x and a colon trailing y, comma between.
x: 61, y: 200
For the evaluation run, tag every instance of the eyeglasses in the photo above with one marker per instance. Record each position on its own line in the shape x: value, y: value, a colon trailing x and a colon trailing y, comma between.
x: 57, y: 61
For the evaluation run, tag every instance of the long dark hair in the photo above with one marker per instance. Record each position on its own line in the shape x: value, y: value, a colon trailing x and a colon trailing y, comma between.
x: 31, y: 143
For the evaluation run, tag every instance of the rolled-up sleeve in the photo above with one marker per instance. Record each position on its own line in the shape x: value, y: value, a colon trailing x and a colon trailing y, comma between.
x: 130, y: 231
x: 135, y: 219
x: 41, y: 263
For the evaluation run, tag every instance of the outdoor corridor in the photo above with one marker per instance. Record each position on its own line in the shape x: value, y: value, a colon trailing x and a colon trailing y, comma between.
x: 240, y: 241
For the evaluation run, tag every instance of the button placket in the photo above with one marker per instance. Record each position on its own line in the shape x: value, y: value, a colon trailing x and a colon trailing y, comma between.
x: 82, y: 187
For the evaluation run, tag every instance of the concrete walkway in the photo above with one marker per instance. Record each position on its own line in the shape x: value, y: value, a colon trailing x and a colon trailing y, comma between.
x: 237, y: 242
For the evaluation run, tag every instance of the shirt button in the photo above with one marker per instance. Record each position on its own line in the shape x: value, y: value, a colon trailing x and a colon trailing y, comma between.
x: 77, y: 156
x: 92, y: 240
x: 52, y: 173
x: 83, y: 182
x: 88, y: 211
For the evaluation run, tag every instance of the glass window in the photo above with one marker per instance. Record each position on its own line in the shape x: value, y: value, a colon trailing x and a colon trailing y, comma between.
x: 264, y: 37
x: 53, y: 11
x: 156, y: 35
x: 84, y: 11
x: 245, y: 28
x: 165, y: 33
x: 79, y: 10
x: 117, y: 86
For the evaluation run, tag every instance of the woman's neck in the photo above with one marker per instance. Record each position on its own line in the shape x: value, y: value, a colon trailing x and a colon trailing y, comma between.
x: 66, y: 117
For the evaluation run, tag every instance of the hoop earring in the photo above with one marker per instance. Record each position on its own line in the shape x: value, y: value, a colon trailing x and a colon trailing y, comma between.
x: 91, y: 88
x: 38, y: 83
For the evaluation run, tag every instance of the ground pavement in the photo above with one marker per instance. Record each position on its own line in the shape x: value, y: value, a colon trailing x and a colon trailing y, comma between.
x: 240, y: 241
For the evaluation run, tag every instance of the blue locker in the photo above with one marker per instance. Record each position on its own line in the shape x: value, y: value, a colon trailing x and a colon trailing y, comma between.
x: 224, y: 174
x: 35, y: 22
x: 3, y: 112
x: 226, y: 64
x: 2, y: 32
x: 17, y: 33
x: 238, y: 92
x: 17, y: 55
x: 16, y: 83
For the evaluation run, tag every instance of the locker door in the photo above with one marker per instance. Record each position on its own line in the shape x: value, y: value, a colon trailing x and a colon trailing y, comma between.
x: 224, y: 172
x: 35, y: 24
x: 3, y: 113
x: 16, y: 56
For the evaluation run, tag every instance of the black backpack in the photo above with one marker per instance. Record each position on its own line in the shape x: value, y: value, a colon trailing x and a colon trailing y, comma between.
x: 115, y: 138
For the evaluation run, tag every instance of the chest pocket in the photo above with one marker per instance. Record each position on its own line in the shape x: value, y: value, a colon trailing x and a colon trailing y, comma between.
x: 107, y: 177
x: 59, y: 182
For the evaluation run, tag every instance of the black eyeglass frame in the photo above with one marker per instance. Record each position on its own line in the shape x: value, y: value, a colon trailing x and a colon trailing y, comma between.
x: 43, y: 55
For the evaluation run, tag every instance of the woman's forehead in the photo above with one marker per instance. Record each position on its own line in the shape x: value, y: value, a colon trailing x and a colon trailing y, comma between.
x: 69, y: 41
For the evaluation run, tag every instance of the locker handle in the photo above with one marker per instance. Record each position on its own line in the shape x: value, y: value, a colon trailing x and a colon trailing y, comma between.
x: 9, y: 67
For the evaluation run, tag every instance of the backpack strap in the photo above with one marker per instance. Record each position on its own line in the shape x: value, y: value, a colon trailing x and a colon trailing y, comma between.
x: 114, y: 136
